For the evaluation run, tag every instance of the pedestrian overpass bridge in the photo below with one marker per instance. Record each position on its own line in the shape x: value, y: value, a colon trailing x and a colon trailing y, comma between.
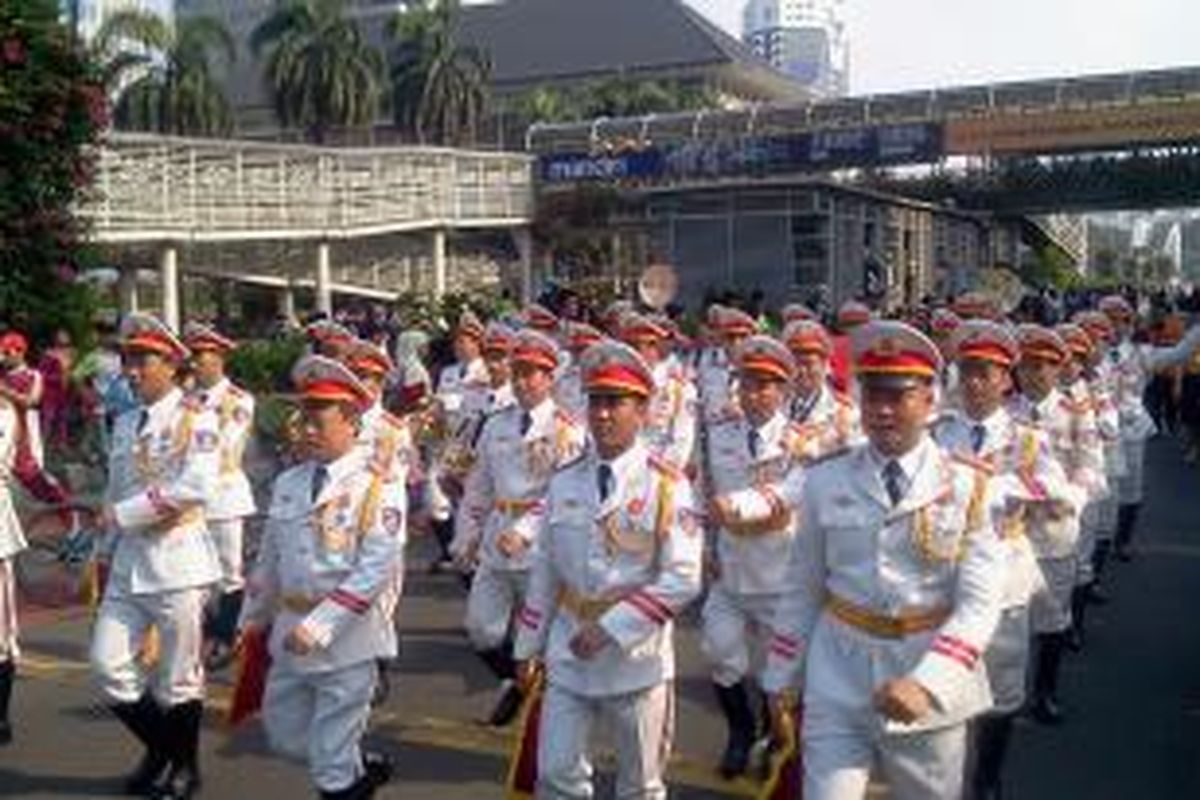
x: 1084, y: 136
x: 167, y: 192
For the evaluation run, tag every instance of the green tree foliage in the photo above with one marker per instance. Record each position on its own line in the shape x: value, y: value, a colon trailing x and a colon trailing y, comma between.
x: 163, y: 72
x: 319, y: 70
x: 612, y: 97
x: 52, y: 106
x: 439, y: 86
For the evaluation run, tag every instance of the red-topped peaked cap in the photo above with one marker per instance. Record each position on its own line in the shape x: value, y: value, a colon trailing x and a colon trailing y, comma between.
x: 896, y: 353
x: 199, y: 337
x: 984, y: 340
x: 852, y: 314
x: 540, y: 318
x: 148, y: 334
x: 367, y: 358
x: 765, y: 357
x: 1037, y: 341
x: 319, y: 378
x: 611, y: 367
x: 1077, y: 340
x: 498, y: 338
x: 808, y: 336
x: 536, y: 349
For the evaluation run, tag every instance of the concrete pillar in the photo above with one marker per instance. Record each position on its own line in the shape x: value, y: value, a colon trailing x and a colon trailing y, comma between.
x: 127, y: 290
x: 287, y: 304
x: 324, y: 280
x: 439, y: 263
x: 524, y: 241
x: 168, y: 272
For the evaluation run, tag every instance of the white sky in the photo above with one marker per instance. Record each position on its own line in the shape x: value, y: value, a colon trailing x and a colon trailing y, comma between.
x: 920, y: 44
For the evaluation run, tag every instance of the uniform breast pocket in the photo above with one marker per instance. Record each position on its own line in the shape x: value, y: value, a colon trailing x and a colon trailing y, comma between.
x: 848, y: 538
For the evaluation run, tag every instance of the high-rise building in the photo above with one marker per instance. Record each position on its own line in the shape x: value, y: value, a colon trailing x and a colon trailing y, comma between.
x: 89, y: 15
x: 805, y: 39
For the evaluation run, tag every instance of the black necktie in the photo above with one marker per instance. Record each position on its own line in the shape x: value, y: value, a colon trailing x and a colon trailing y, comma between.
x: 143, y: 420
x: 320, y: 475
x: 526, y: 421
x: 604, y: 478
x: 978, y: 434
x: 893, y: 481
x: 755, y: 440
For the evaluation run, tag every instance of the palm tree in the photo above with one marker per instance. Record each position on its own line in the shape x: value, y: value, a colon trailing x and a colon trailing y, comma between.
x: 439, y: 87
x: 320, y: 71
x: 162, y: 75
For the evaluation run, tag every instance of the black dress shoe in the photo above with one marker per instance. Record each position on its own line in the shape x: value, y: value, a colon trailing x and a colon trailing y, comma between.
x: 1046, y: 711
x: 507, y: 706
x: 180, y: 784
x: 146, y: 776
x: 6, y: 734
x: 377, y: 769
x: 1096, y: 596
x: 1124, y: 554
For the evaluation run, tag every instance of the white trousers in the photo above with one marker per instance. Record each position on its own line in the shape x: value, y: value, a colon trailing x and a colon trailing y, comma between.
x: 916, y: 766
x: 1007, y: 660
x: 120, y: 631
x: 495, y: 596
x: 8, y: 611
x: 1085, y: 547
x: 736, y: 627
x: 227, y: 535
x: 1050, y: 609
x: 1130, y: 485
x: 643, y: 728
x: 320, y: 718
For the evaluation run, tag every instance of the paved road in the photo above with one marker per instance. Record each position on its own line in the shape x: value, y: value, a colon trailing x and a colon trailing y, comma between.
x: 1133, y: 697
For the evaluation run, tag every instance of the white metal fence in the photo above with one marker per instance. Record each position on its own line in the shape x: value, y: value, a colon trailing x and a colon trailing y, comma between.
x: 151, y: 187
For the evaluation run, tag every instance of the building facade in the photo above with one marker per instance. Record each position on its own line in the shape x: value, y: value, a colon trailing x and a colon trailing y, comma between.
x: 805, y: 39
x: 89, y: 15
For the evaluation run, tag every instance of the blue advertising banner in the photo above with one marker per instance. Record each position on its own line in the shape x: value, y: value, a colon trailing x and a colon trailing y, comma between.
x: 817, y: 151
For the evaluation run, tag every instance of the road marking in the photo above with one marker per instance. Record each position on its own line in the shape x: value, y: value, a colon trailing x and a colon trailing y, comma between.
x: 432, y: 732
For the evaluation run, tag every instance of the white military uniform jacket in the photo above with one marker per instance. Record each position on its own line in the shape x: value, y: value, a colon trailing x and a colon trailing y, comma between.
x: 234, y: 410
x: 753, y: 556
x: 159, y: 480
x: 671, y: 428
x: 715, y: 382
x: 1027, y: 481
x: 12, y: 539
x: 630, y: 563
x: 825, y: 423
x: 454, y: 384
x: 1101, y: 385
x: 506, y: 488
x: 388, y: 443
x: 478, y: 407
x: 329, y: 565
x: 1070, y: 427
x: 937, y: 551
x: 569, y: 392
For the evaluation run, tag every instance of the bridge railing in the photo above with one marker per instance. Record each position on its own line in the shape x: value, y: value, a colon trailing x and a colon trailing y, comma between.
x: 1090, y: 91
x: 151, y: 187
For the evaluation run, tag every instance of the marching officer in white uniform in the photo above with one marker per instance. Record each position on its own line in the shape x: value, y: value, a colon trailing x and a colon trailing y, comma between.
x: 896, y: 584
x: 618, y: 560
x: 756, y: 448
x: 671, y: 429
x: 163, y: 469
x: 568, y: 391
x: 1075, y: 442
x: 1029, y: 481
x: 333, y: 543
x: 1134, y: 365
x: 328, y: 338
x: 502, y: 506
x: 12, y: 542
x: 730, y: 327
x: 227, y: 510
x: 478, y: 407
x: 466, y: 376
x: 825, y: 419
x: 390, y: 447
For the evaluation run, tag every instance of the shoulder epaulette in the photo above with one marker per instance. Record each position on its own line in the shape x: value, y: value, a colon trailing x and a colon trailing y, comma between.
x: 661, y: 465
x: 566, y: 465
x: 973, y: 462
x: 192, y: 403
x: 1075, y: 406
x: 832, y: 455
x: 843, y: 399
x: 562, y: 415
x: 237, y: 391
x: 391, y: 420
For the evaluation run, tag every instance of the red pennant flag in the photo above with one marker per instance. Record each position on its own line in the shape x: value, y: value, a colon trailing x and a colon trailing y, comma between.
x: 522, y: 764
x: 253, y: 663
x: 785, y: 780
